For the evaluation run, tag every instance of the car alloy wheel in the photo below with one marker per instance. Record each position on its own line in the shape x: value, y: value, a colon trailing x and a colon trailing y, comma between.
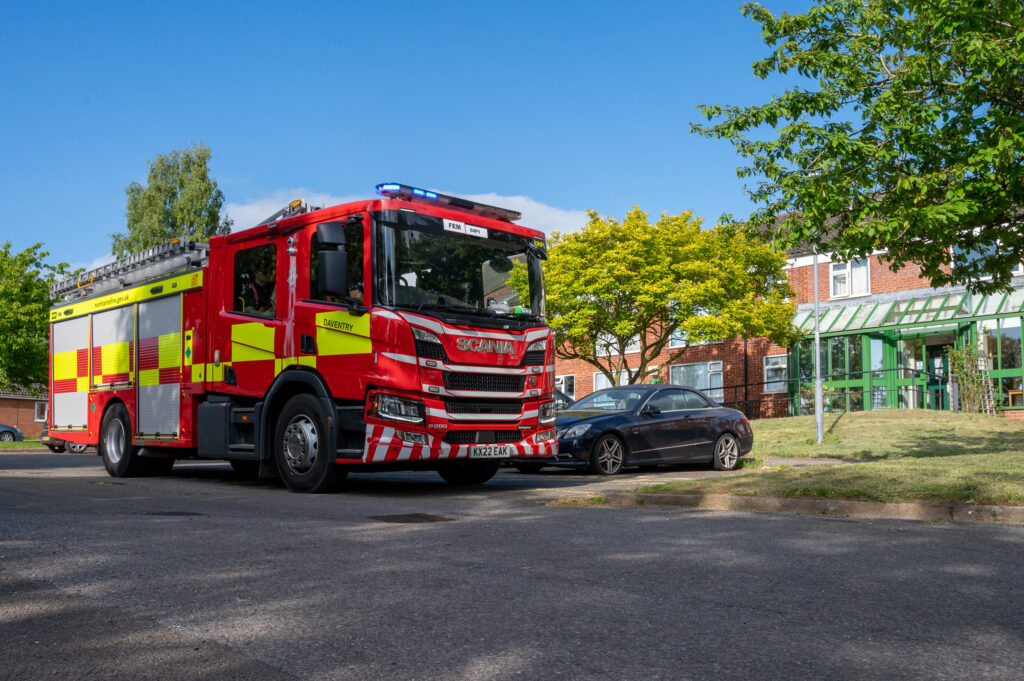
x: 608, y: 456
x: 7, y: 436
x: 727, y: 453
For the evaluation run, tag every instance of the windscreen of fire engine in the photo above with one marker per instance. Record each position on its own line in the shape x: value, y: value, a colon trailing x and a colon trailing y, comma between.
x: 426, y: 268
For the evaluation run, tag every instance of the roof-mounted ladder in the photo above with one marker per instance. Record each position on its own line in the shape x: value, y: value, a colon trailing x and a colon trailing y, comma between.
x: 168, y: 257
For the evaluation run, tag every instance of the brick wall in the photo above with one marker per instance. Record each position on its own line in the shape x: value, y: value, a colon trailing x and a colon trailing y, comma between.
x: 881, y: 280
x: 20, y: 413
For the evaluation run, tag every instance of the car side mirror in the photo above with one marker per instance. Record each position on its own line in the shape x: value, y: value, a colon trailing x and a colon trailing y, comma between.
x: 650, y: 410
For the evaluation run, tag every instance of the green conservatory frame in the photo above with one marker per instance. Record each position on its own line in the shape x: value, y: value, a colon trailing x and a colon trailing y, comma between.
x: 875, y: 355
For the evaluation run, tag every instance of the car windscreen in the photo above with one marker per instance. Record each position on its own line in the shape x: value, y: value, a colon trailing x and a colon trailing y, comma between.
x: 614, y: 399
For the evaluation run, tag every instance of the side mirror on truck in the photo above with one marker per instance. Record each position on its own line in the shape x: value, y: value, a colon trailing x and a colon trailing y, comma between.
x: 332, y: 267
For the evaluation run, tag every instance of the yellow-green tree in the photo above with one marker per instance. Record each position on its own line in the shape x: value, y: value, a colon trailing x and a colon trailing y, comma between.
x: 613, y: 284
x: 180, y: 200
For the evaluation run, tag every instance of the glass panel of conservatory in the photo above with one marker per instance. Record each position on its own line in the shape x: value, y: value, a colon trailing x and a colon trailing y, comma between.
x: 845, y: 315
x: 914, y: 311
x: 935, y: 303
x: 950, y: 306
x: 827, y: 317
x: 1014, y: 300
x: 966, y: 308
x: 991, y: 304
x: 863, y: 312
x: 880, y: 312
x: 804, y: 321
x: 897, y: 310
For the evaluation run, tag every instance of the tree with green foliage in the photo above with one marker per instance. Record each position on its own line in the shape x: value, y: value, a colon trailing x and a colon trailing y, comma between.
x: 24, y: 316
x: 614, y: 284
x: 905, y: 134
x: 180, y: 200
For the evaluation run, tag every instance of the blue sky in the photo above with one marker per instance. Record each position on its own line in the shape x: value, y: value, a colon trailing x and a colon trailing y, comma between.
x: 550, y: 107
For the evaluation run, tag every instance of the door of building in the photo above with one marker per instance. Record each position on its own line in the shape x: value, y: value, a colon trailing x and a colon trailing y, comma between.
x: 937, y: 366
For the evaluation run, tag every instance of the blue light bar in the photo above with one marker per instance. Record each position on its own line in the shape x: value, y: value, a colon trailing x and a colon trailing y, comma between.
x: 394, y: 190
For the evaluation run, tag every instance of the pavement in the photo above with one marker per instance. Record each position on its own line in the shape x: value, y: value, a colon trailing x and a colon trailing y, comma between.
x: 561, y: 486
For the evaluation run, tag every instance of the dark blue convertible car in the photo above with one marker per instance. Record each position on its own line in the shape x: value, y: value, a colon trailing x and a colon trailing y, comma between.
x: 648, y: 425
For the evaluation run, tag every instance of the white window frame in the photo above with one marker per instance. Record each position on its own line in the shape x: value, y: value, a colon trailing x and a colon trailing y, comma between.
x: 714, y: 367
x: 846, y: 269
x: 604, y: 346
x: 560, y: 380
x: 623, y: 376
x: 771, y: 384
x: 46, y: 411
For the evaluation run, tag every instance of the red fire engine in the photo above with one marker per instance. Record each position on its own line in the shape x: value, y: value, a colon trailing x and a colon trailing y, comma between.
x: 378, y: 334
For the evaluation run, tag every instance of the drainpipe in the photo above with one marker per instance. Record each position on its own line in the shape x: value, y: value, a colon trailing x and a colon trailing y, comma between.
x: 746, y: 384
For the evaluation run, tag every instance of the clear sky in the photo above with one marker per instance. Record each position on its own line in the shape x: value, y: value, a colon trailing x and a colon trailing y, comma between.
x: 549, y: 107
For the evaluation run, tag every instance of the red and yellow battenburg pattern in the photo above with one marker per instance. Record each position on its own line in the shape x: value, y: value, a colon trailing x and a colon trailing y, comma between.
x: 160, y: 359
x: 71, y: 371
x: 112, y: 363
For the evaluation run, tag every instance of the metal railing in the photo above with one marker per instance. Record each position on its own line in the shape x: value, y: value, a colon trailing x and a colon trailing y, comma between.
x: 850, y: 391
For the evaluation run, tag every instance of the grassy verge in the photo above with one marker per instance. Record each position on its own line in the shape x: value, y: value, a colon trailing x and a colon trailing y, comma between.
x: 913, y: 456
x: 24, y: 444
x: 888, y: 435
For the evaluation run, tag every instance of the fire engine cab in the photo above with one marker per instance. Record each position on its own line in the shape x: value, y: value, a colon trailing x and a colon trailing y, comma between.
x: 405, y: 331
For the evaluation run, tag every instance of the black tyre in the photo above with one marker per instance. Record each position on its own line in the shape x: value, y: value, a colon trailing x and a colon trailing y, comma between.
x: 607, y: 456
x: 468, y: 472
x: 7, y: 436
x: 120, y: 457
x: 300, y: 447
x: 248, y: 469
x: 56, y: 449
x: 528, y: 467
x: 76, y: 448
x: 727, y: 453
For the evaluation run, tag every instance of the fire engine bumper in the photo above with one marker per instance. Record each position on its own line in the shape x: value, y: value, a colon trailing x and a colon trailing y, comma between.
x: 387, y: 444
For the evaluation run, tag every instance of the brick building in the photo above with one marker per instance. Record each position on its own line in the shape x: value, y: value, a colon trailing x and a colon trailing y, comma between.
x: 884, y: 338
x: 24, y: 411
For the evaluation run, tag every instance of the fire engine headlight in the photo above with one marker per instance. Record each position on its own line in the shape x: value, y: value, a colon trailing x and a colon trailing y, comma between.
x: 537, y: 345
x: 547, y: 412
x: 397, y: 408
x: 421, y: 335
x: 408, y: 436
x: 543, y: 436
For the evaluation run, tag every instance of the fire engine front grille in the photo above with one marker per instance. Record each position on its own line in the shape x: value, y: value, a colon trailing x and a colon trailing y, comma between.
x: 454, y: 380
x: 533, y: 357
x: 482, y: 437
x: 431, y: 350
x: 456, y: 406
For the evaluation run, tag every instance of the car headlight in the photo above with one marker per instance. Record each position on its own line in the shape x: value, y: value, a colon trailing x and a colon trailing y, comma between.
x: 537, y: 345
x: 420, y: 334
x: 396, y: 408
x: 574, y: 431
x: 547, y: 412
x: 543, y: 436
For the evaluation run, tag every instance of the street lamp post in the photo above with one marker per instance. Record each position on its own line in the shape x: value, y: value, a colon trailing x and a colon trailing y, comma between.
x: 819, y: 426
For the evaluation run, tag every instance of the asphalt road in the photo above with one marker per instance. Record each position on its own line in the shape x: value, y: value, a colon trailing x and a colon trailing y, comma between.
x: 199, y: 575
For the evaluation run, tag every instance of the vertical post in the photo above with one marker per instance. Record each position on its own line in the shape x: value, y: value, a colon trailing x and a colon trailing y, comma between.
x: 819, y: 425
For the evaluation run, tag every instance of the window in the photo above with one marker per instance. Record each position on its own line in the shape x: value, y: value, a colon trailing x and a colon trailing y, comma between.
x: 706, y: 376
x: 775, y: 373
x: 606, y: 345
x: 354, y: 251
x: 601, y: 381
x: 256, y: 280
x: 567, y: 384
x: 850, y: 279
x: 695, y: 401
x: 669, y: 400
x: 41, y: 412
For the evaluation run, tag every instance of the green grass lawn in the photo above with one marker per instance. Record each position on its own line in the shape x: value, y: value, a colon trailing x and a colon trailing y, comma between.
x: 24, y: 444
x: 913, y: 455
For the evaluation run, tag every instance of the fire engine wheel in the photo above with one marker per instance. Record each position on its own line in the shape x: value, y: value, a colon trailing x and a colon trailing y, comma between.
x: 468, y: 472
x: 120, y: 456
x: 300, y: 447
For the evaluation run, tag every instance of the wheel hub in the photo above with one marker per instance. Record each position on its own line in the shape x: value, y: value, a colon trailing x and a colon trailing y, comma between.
x: 114, y: 442
x: 301, y: 444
